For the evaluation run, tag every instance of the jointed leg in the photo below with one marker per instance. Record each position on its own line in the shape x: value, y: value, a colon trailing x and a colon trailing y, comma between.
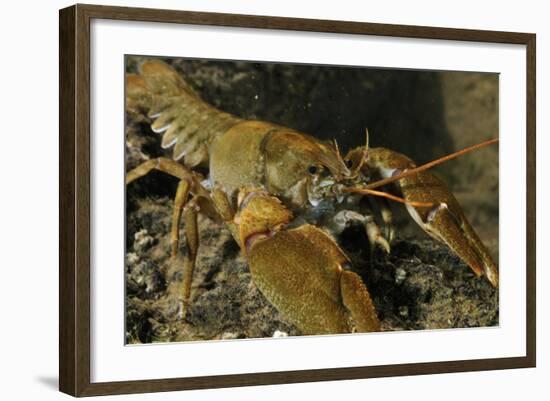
x: 382, y: 206
x: 182, y: 195
x: 163, y: 164
x: 222, y: 204
x: 374, y: 234
x: 192, y: 239
x: 387, y: 218
x: 183, y: 205
x: 174, y: 169
x: 225, y: 210
x: 343, y: 217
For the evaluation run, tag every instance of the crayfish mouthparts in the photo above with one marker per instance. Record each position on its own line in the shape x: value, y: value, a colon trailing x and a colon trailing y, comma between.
x: 327, y: 190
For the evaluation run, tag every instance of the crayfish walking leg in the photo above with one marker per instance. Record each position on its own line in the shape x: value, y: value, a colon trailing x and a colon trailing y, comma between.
x: 186, y: 204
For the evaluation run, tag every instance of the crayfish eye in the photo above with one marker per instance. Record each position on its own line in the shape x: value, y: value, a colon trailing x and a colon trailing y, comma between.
x: 312, y: 169
x: 349, y: 163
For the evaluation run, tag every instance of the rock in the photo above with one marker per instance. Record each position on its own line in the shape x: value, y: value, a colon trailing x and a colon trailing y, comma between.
x: 403, y: 311
x: 230, y: 336
x: 142, y: 240
x: 400, y: 275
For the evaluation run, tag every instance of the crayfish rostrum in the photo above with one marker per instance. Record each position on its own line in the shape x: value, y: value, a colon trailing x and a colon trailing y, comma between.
x: 286, y: 197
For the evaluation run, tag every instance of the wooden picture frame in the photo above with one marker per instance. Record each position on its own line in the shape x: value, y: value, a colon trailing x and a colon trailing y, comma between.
x: 75, y: 200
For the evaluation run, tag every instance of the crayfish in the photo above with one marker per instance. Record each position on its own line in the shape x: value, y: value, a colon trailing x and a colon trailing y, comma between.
x: 286, y: 196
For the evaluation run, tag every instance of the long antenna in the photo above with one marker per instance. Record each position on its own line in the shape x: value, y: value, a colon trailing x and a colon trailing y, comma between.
x: 429, y: 165
x: 373, y: 192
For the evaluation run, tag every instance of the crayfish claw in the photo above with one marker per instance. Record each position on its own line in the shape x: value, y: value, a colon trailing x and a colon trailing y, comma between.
x: 436, y: 210
x: 454, y: 230
x: 357, y: 300
x: 446, y: 222
x: 301, y: 271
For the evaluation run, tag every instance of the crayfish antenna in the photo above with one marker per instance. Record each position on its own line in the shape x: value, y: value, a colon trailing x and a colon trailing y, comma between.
x: 366, y: 191
x: 433, y: 163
